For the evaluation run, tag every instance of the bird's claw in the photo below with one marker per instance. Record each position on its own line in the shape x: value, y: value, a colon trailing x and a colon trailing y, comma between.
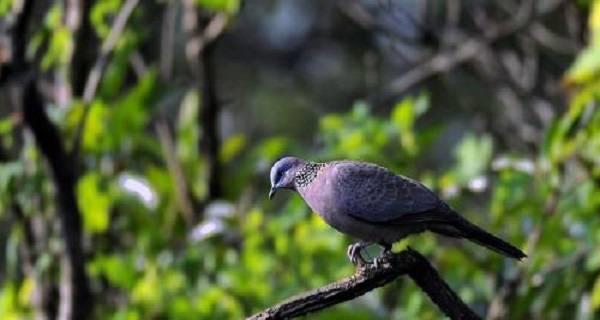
x: 379, y: 261
x: 382, y: 258
x: 354, y: 255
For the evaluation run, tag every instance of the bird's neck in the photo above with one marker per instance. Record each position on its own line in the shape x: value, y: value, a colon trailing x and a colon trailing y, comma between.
x: 307, y: 174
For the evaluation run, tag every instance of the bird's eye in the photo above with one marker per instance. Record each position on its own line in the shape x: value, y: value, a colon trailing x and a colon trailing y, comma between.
x: 278, y: 176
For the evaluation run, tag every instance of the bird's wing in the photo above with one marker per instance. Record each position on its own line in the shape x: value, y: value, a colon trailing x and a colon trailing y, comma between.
x: 374, y: 194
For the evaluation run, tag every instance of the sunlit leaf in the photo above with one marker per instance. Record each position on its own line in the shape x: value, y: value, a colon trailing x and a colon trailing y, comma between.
x: 587, y: 64
x: 232, y: 147
x: 94, y: 203
x: 272, y: 148
x: 26, y: 291
x: 6, y: 6
x: 99, y: 15
x: 95, y: 128
x: 148, y: 289
x: 119, y: 271
x: 228, y: 6
x: 473, y: 155
x: 596, y: 294
x: 331, y: 122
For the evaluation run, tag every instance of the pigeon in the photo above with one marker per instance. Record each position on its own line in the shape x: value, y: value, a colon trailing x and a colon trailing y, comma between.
x: 375, y: 205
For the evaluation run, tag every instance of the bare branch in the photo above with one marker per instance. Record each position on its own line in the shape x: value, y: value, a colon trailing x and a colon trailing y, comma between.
x: 200, y: 49
x: 14, y: 64
x: 209, y: 142
x: 176, y: 172
x: 552, y: 41
x: 368, y: 278
x: 138, y: 65
x: 86, y: 44
x: 40, y: 299
x: 168, y: 40
x: 76, y: 300
x: 108, y: 45
x: 448, y: 59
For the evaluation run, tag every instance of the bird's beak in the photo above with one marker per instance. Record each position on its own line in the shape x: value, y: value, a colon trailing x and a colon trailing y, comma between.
x: 272, y: 192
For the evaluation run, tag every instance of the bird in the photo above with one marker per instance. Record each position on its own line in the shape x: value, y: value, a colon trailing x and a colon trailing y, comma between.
x: 376, y: 206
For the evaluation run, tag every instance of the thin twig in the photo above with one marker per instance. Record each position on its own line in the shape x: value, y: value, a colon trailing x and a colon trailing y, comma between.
x: 552, y: 41
x: 368, y: 278
x: 451, y: 58
x: 200, y: 53
x: 181, y: 189
x: 108, y: 45
x: 93, y: 80
x: 168, y: 40
x: 40, y: 297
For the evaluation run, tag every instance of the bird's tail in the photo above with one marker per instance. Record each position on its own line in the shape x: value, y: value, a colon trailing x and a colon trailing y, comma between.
x: 465, y: 229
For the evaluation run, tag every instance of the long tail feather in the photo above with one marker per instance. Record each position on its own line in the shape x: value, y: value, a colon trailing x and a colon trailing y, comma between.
x: 457, y: 226
x: 474, y: 233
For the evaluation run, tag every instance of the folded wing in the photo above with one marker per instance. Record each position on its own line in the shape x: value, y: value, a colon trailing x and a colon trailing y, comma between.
x: 374, y: 194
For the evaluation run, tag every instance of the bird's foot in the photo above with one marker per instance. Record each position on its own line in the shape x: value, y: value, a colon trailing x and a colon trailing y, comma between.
x: 354, y: 254
x: 383, y: 257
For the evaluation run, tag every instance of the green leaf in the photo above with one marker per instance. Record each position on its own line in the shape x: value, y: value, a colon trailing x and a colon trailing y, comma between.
x: 587, y: 63
x: 227, y: 6
x: 129, y: 314
x: 119, y: 271
x: 473, y: 156
x: 232, y: 147
x: 26, y: 290
x: 148, y: 289
x: 596, y: 294
x: 404, y: 116
x: 360, y: 111
x: 8, y: 171
x: 94, y: 203
x: 6, y: 6
x: 95, y: 130
x: 60, y: 48
x: 8, y: 301
x: 130, y: 113
x: 331, y: 122
x: 272, y: 148
x: 187, y: 128
x: 6, y: 125
x: 99, y: 15
x: 586, y: 66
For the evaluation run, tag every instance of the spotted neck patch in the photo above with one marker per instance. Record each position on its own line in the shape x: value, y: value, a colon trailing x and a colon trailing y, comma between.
x: 307, y: 174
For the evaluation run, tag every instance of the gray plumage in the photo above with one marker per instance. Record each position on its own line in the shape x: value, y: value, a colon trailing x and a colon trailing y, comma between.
x: 373, y: 204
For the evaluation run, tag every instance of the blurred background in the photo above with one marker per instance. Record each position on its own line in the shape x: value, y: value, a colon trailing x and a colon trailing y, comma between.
x: 136, y: 139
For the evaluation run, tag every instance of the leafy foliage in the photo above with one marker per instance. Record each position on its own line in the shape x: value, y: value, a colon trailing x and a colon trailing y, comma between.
x: 246, y: 253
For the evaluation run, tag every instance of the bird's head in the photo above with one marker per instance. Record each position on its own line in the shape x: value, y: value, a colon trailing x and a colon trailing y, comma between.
x: 283, y: 173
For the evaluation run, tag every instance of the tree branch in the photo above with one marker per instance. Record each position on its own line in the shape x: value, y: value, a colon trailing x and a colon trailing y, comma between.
x: 174, y: 168
x: 76, y: 301
x: 17, y: 65
x: 448, y: 59
x: 86, y: 44
x: 208, y: 121
x: 368, y: 278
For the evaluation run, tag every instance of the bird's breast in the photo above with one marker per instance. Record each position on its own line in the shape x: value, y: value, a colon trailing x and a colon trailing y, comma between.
x: 319, y: 196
